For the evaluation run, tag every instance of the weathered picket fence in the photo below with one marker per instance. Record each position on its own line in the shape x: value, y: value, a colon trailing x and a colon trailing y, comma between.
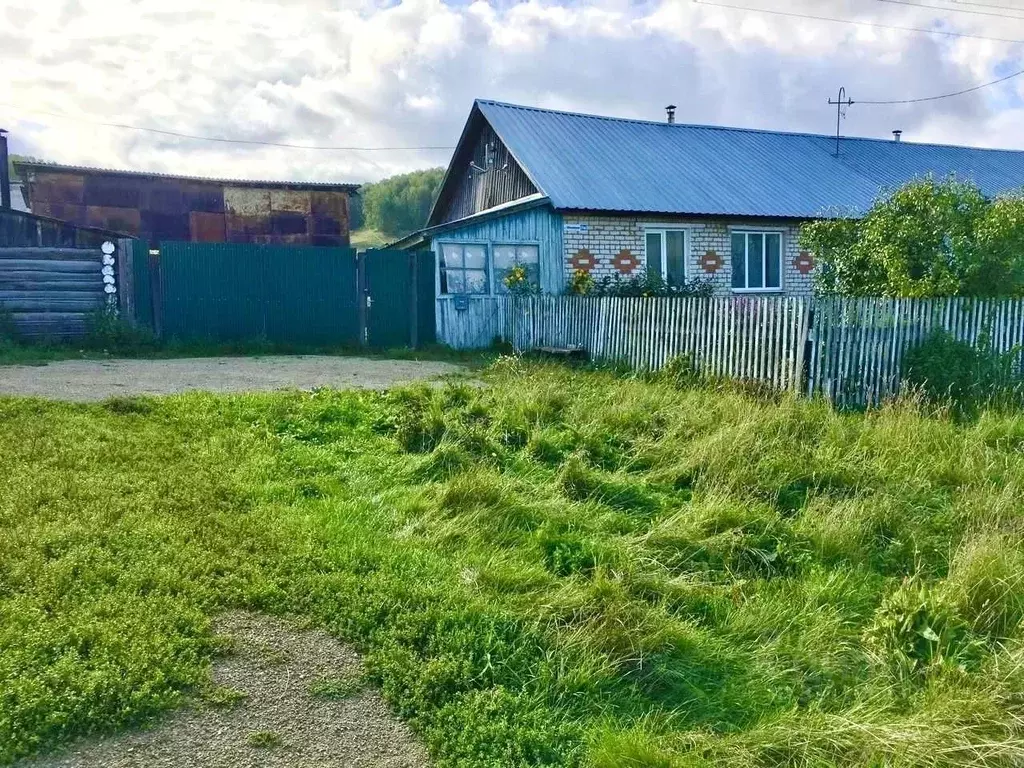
x: 858, y: 345
x: 849, y: 350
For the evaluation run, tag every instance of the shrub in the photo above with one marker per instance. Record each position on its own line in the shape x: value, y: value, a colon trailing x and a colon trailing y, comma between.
x: 106, y: 330
x: 927, y: 238
x: 945, y: 369
x: 650, y: 283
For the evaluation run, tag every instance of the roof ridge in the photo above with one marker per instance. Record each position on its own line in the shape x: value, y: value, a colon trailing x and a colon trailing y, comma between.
x: 763, y: 131
x: 44, y: 165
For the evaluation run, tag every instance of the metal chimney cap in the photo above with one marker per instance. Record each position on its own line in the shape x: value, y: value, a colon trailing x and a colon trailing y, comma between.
x: 897, y: 135
x: 671, y: 110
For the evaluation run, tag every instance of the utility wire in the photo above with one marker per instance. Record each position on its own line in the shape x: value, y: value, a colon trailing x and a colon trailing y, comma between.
x: 217, y: 138
x: 879, y: 25
x: 988, y: 5
x: 947, y: 95
x: 954, y: 10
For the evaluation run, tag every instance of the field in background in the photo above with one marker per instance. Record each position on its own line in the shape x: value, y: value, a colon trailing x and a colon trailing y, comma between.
x: 563, y: 568
x: 367, y: 237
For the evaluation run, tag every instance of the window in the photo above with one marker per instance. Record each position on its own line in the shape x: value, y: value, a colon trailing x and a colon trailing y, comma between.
x: 463, y: 268
x: 756, y: 261
x: 508, y: 256
x: 666, y: 254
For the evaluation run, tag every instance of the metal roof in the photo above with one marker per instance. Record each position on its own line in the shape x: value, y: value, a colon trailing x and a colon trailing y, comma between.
x: 55, y: 168
x: 588, y: 162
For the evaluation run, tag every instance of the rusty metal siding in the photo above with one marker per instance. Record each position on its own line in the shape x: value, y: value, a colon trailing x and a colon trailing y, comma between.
x: 502, y: 181
x: 161, y: 208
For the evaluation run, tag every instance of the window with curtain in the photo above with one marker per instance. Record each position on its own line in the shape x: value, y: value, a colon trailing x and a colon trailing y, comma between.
x: 463, y: 268
x: 506, y: 257
x: 666, y: 254
x: 756, y: 261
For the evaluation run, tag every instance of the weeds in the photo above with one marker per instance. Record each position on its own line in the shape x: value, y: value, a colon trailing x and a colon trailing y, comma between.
x: 563, y: 567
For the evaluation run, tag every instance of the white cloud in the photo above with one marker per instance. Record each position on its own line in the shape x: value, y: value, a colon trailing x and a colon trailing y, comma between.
x: 405, y: 73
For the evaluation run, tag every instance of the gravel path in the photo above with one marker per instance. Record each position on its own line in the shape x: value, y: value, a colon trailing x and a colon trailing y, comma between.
x: 296, y: 706
x: 91, y: 380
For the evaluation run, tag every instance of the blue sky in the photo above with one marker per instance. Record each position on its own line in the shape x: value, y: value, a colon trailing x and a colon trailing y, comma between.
x: 403, y: 73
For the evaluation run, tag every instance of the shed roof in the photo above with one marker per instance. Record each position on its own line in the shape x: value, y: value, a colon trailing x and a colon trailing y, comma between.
x: 588, y: 162
x: 22, y: 165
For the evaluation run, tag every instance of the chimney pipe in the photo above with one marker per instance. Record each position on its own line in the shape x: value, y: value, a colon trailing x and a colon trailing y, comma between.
x: 671, y: 110
x: 896, y: 136
x: 5, y: 174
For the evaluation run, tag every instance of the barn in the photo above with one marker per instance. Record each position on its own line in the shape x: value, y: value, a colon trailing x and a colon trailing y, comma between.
x: 158, y: 207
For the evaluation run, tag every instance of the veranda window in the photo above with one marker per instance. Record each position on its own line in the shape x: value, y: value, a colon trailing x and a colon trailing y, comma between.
x: 463, y: 268
x: 507, y: 257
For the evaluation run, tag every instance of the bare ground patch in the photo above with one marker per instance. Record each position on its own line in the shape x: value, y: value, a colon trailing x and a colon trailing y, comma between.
x: 283, y: 697
x: 93, y: 380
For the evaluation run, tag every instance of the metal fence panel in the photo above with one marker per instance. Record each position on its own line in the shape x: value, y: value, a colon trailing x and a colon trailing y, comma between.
x: 233, y: 292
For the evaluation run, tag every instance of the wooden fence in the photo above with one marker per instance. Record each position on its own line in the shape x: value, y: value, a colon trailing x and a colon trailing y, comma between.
x: 849, y: 350
x: 858, y: 345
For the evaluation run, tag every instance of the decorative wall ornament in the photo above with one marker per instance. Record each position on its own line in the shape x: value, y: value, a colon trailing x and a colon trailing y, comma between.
x: 625, y: 262
x: 711, y: 262
x: 583, y: 259
x: 804, y: 262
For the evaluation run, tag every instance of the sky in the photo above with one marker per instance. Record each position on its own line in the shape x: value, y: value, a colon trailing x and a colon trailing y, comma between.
x: 401, y: 76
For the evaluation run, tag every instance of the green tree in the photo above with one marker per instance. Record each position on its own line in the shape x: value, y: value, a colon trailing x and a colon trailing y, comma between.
x: 400, y: 204
x: 928, y: 238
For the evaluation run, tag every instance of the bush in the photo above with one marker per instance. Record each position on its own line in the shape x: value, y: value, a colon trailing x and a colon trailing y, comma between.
x: 947, y: 370
x: 648, y: 283
x: 927, y: 238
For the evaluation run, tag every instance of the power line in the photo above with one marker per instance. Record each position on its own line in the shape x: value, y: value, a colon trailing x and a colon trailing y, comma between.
x: 954, y: 10
x: 220, y: 139
x: 987, y: 5
x: 875, y: 24
x: 948, y: 95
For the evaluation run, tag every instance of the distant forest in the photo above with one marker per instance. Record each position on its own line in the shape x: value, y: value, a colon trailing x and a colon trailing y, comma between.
x: 397, y: 205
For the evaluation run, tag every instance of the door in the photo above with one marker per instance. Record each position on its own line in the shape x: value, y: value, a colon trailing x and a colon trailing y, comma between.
x: 398, y: 298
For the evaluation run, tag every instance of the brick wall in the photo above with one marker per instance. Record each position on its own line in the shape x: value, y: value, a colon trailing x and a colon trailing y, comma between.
x: 615, y: 245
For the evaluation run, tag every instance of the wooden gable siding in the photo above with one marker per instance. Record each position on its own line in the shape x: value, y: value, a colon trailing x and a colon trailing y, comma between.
x: 502, y: 182
x: 541, y: 225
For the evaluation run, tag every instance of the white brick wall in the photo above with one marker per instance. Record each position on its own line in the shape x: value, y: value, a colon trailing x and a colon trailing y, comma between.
x: 607, y: 235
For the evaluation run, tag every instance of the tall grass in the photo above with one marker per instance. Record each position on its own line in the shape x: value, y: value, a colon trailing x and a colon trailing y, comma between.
x: 558, y: 568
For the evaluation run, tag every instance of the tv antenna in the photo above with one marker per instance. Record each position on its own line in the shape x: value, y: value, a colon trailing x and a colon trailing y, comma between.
x: 840, y: 104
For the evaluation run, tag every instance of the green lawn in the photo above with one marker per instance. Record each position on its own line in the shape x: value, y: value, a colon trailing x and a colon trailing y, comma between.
x: 563, y: 568
x: 364, y: 238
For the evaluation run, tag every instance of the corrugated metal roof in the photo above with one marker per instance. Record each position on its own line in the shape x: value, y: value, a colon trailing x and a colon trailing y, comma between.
x: 55, y: 168
x: 588, y: 162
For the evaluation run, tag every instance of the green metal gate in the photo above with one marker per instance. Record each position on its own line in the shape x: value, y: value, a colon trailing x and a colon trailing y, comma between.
x: 398, y: 291
x: 235, y: 292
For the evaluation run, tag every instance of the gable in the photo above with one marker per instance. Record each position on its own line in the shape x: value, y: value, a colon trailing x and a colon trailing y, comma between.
x: 483, y: 174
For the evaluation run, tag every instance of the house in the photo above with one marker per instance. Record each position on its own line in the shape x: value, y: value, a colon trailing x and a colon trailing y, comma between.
x: 558, y: 192
x: 158, y: 207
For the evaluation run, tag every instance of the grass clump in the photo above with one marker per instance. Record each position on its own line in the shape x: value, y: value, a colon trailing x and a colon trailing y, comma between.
x: 338, y: 687
x: 264, y: 740
x: 561, y: 567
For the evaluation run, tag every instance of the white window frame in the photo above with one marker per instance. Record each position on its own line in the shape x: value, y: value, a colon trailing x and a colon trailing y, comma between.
x: 687, y: 244
x: 764, y: 256
x: 438, y: 257
x: 493, y: 270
